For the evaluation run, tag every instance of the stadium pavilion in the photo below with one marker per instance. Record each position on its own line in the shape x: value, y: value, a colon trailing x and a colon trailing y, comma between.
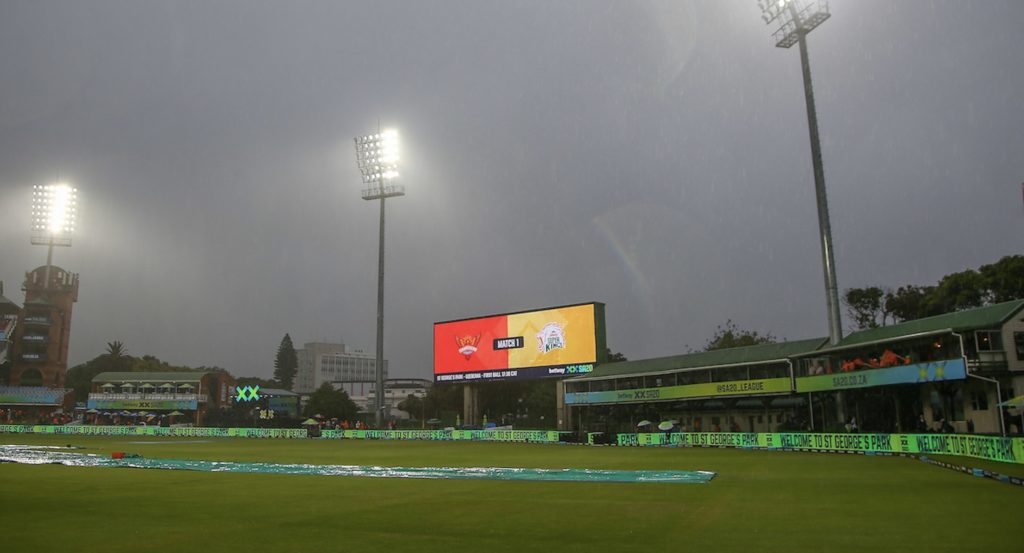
x: 126, y: 395
x: 948, y: 372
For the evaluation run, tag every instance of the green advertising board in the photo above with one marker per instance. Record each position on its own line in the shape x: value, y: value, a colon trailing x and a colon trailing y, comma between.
x: 992, y: 448
x: 176, y: 431
x: 531, y: 436
x: 936, y: 371
x: 704, y: 389
x: 143, y: 404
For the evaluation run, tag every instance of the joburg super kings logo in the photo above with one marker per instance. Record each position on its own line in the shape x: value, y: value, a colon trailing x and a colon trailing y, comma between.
x: 467, y: 344
x: 551, y: 337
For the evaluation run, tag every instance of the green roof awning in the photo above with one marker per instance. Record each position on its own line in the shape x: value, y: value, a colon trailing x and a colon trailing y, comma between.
x: 749, y: 355
x: 982, y: 318
x: 155, y: 377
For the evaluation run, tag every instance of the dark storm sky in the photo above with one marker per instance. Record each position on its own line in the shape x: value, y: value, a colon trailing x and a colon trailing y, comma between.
x: 649, y: 155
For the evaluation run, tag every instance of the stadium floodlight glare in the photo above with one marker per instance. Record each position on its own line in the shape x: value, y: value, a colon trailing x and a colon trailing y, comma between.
x: 797, y: 18
x: 377, y: 157
x: 54, y: 208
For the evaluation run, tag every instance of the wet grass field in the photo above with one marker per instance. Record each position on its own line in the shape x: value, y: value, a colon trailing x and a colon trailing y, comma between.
x: 760, y: 501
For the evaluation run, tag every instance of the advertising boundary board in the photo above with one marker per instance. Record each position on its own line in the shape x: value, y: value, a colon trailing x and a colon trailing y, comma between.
x: 160, y: 431
x: 525, y: 436
x: 991, y: 448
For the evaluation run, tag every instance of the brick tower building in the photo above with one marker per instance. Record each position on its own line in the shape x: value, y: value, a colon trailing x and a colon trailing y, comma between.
x: 41, y: 339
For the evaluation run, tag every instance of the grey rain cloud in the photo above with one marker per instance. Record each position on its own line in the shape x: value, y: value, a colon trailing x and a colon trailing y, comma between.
x: 649, y: 155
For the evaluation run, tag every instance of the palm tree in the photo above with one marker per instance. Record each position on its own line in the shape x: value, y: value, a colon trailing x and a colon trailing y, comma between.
x: 116, y: 356
x: 116, y: 349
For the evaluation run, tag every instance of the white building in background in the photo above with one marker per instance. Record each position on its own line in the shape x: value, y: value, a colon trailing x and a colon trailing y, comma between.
x: 349, y: 369
x: 396, y: 390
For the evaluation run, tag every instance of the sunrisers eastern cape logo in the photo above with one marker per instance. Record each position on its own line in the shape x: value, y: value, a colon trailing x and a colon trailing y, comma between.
x: 551, y: 337
x: 467, y: 344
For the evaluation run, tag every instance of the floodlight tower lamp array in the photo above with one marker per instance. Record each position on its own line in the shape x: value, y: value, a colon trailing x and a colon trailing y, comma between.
x: 795, y: 18
x: 54, y: 209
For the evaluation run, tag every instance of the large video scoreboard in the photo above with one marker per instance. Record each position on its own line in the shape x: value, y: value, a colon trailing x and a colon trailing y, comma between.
x: 553, y: 342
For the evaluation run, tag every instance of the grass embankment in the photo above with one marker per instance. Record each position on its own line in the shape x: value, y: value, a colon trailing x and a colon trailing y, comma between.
x: 760, y: 501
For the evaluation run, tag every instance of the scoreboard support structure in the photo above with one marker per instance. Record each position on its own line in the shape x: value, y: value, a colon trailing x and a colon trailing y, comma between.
x: 471, y: 404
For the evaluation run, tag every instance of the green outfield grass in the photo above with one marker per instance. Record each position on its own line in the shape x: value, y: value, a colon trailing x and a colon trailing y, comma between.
x: 760, y: 501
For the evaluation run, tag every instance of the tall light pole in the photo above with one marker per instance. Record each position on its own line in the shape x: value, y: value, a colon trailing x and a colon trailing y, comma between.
x: 54, y: 207
x: 377, y: 156
x: 797, y: 18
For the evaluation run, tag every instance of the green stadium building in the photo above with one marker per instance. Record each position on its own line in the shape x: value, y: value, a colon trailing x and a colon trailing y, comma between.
x: 116, y: 396
x: 948, y: 372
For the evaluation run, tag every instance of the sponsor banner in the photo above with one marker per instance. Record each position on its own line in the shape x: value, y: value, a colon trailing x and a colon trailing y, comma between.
x: 28, y: 401
x: 919, y: 373
x: 175, y: 432
x: 992, y: 448
x: 706, y: 389
x: 531, y: 436
x: 144, y: 404
x: 284, y: 405
x: 551, y: 342
x: 516, y: 374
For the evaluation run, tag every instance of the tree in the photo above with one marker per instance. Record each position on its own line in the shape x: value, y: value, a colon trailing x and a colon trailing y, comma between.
x: 730, y: 336
x: 957, y: 291
x: 79, y: 378
x: 1004, y: 279
x: 331, y: 403
x: 441, y: 399
x: 865, y: 306
x: 413, y: 405
x: 908, y: 302
x: 116, y: 349
x: 613, y: 357
x: 286, y: 363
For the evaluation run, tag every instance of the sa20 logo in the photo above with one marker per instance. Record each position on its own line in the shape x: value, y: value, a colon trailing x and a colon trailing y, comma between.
x: 247, y: 393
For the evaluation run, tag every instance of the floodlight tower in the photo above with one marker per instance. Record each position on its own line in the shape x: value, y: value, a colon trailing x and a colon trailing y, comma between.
x: 377, y: 156
x: 54, y: 208
x: 797, y: 18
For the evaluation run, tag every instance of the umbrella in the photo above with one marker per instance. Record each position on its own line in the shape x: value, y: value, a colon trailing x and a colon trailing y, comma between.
x: 175, y: 414
x: 148, y: 386
x: 107, y: 385
x: 92, y: 411
x: 166, y: 385
x: 643, y: 423
x: 665, y: 425
x: 310, y: 421
x: 434, y: 421
x: 187, y: 386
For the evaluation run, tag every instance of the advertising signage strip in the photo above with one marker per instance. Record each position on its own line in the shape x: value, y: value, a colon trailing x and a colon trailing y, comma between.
x: 992, y: 448
x: 553, y: 342
x: 936, y: 371
x: 179, y: 432
x: 154, y: 404
x: 515, y: 374
x: 706, y: 389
